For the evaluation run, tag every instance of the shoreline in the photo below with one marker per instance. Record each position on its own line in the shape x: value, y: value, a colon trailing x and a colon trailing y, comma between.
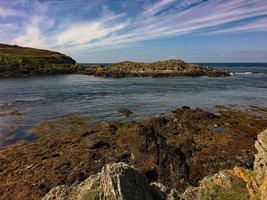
x: 17, y: 129
x: 195, y: 142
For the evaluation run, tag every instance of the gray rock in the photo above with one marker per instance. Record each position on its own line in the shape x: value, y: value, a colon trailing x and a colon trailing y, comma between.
x: 260, y: 163
x: 261, y: 157
x: 117, y: 181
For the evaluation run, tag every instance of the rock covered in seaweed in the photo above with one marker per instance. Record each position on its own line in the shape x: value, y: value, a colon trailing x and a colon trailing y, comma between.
x: 238, y: 183
x: 176, y: 150
x: 117, y: 181
x: 157, y: 69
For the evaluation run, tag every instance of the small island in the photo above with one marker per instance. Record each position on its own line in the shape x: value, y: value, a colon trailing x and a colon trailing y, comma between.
x: 167, y: 68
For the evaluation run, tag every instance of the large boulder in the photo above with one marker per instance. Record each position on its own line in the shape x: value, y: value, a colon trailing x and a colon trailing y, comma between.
x: 117, y: 181
x: 260, y: 164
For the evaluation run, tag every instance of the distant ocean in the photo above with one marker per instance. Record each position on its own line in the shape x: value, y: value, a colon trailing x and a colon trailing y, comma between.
x: 49, y: 97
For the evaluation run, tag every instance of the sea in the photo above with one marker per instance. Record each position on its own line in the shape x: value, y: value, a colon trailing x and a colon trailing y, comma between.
x: 27, y: 101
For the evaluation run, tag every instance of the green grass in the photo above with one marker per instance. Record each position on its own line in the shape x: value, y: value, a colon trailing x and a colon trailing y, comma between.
x: 91, y: 195
x: 237, y: 191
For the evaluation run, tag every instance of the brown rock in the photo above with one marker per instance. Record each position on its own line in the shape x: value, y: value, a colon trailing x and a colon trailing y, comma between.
x: 176, y: 150
x: 157, y: 69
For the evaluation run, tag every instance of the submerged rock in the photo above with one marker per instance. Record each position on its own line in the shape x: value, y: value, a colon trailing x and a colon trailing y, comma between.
x: 117, y: 181
x: 125, y: 111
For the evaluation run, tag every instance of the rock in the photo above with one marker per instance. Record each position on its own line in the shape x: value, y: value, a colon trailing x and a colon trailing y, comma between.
x: 117, y: 181
x: 99, y: 144
x: 175, y: 150
x: 260, y: 164
x: 223, y: 185
x: 29, y: 167
x: 238, y: 183
x: 164, y: 192
x: 157, y: 69
x: 125, y: 111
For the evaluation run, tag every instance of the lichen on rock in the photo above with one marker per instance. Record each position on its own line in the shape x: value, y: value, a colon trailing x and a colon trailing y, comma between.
x: 117, y: 181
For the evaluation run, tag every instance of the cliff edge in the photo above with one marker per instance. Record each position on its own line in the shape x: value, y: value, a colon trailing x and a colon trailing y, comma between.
x: 24, y: 61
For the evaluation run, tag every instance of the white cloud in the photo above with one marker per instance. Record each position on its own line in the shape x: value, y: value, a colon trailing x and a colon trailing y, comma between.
x: 84, y: 33
x: 157, y: 7
x: 6, y: 12
x: 255, y: 26
x: 31, y: 38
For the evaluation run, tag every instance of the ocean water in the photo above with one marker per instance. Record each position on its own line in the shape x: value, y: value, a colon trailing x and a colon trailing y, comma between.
x: 26, y: 101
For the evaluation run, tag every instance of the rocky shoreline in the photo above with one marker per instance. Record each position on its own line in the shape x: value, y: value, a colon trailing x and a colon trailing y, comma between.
x: 121, y: 181
x: 175, y: 151
x: 167, y: 68
x: 16, y: 61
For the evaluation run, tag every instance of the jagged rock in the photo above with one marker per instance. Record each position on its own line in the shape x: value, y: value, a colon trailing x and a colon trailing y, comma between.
x: 117, y: 181
x: 164, y: 192
x: 260, y: 164
x: 261, y: 157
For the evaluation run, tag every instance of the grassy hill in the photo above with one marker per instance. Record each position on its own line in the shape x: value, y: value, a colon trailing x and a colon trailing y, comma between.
x: 25, y: 61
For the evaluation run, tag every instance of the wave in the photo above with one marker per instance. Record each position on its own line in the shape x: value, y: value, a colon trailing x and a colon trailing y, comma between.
x: 246, y: 73
x: 31, y: 99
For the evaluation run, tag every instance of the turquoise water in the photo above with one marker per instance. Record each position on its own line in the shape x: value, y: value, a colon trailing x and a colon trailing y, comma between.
x: 49, y: 97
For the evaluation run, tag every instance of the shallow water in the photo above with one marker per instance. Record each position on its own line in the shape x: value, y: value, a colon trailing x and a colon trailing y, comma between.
x: 49, y: 97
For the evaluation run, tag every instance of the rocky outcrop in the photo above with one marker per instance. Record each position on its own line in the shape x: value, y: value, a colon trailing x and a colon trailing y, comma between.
x: 122, y: 182
x: 239, y: 183
x: 260, y: 164
x: 156, y: 69
x: 24, y: 61
x: 117, y: 181
x: 174, y: 150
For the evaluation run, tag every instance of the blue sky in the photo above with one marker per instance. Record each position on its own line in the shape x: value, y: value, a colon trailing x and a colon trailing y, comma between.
x: 141, y: 30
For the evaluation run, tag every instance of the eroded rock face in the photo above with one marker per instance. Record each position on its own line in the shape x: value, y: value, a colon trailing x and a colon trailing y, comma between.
x: 261, y: 157
x: 117, y: 181
x: 260, y: 164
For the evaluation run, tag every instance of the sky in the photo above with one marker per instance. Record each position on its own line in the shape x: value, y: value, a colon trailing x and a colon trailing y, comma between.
x: 104, y: 31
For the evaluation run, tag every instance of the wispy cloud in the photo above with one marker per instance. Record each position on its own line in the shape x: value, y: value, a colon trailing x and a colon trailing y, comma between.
x: 173, y: 24
x: 35, y: 26
x: 7, y: 12
x: 106, y: 27
x: 157, y: 7
x: 256, y: 25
